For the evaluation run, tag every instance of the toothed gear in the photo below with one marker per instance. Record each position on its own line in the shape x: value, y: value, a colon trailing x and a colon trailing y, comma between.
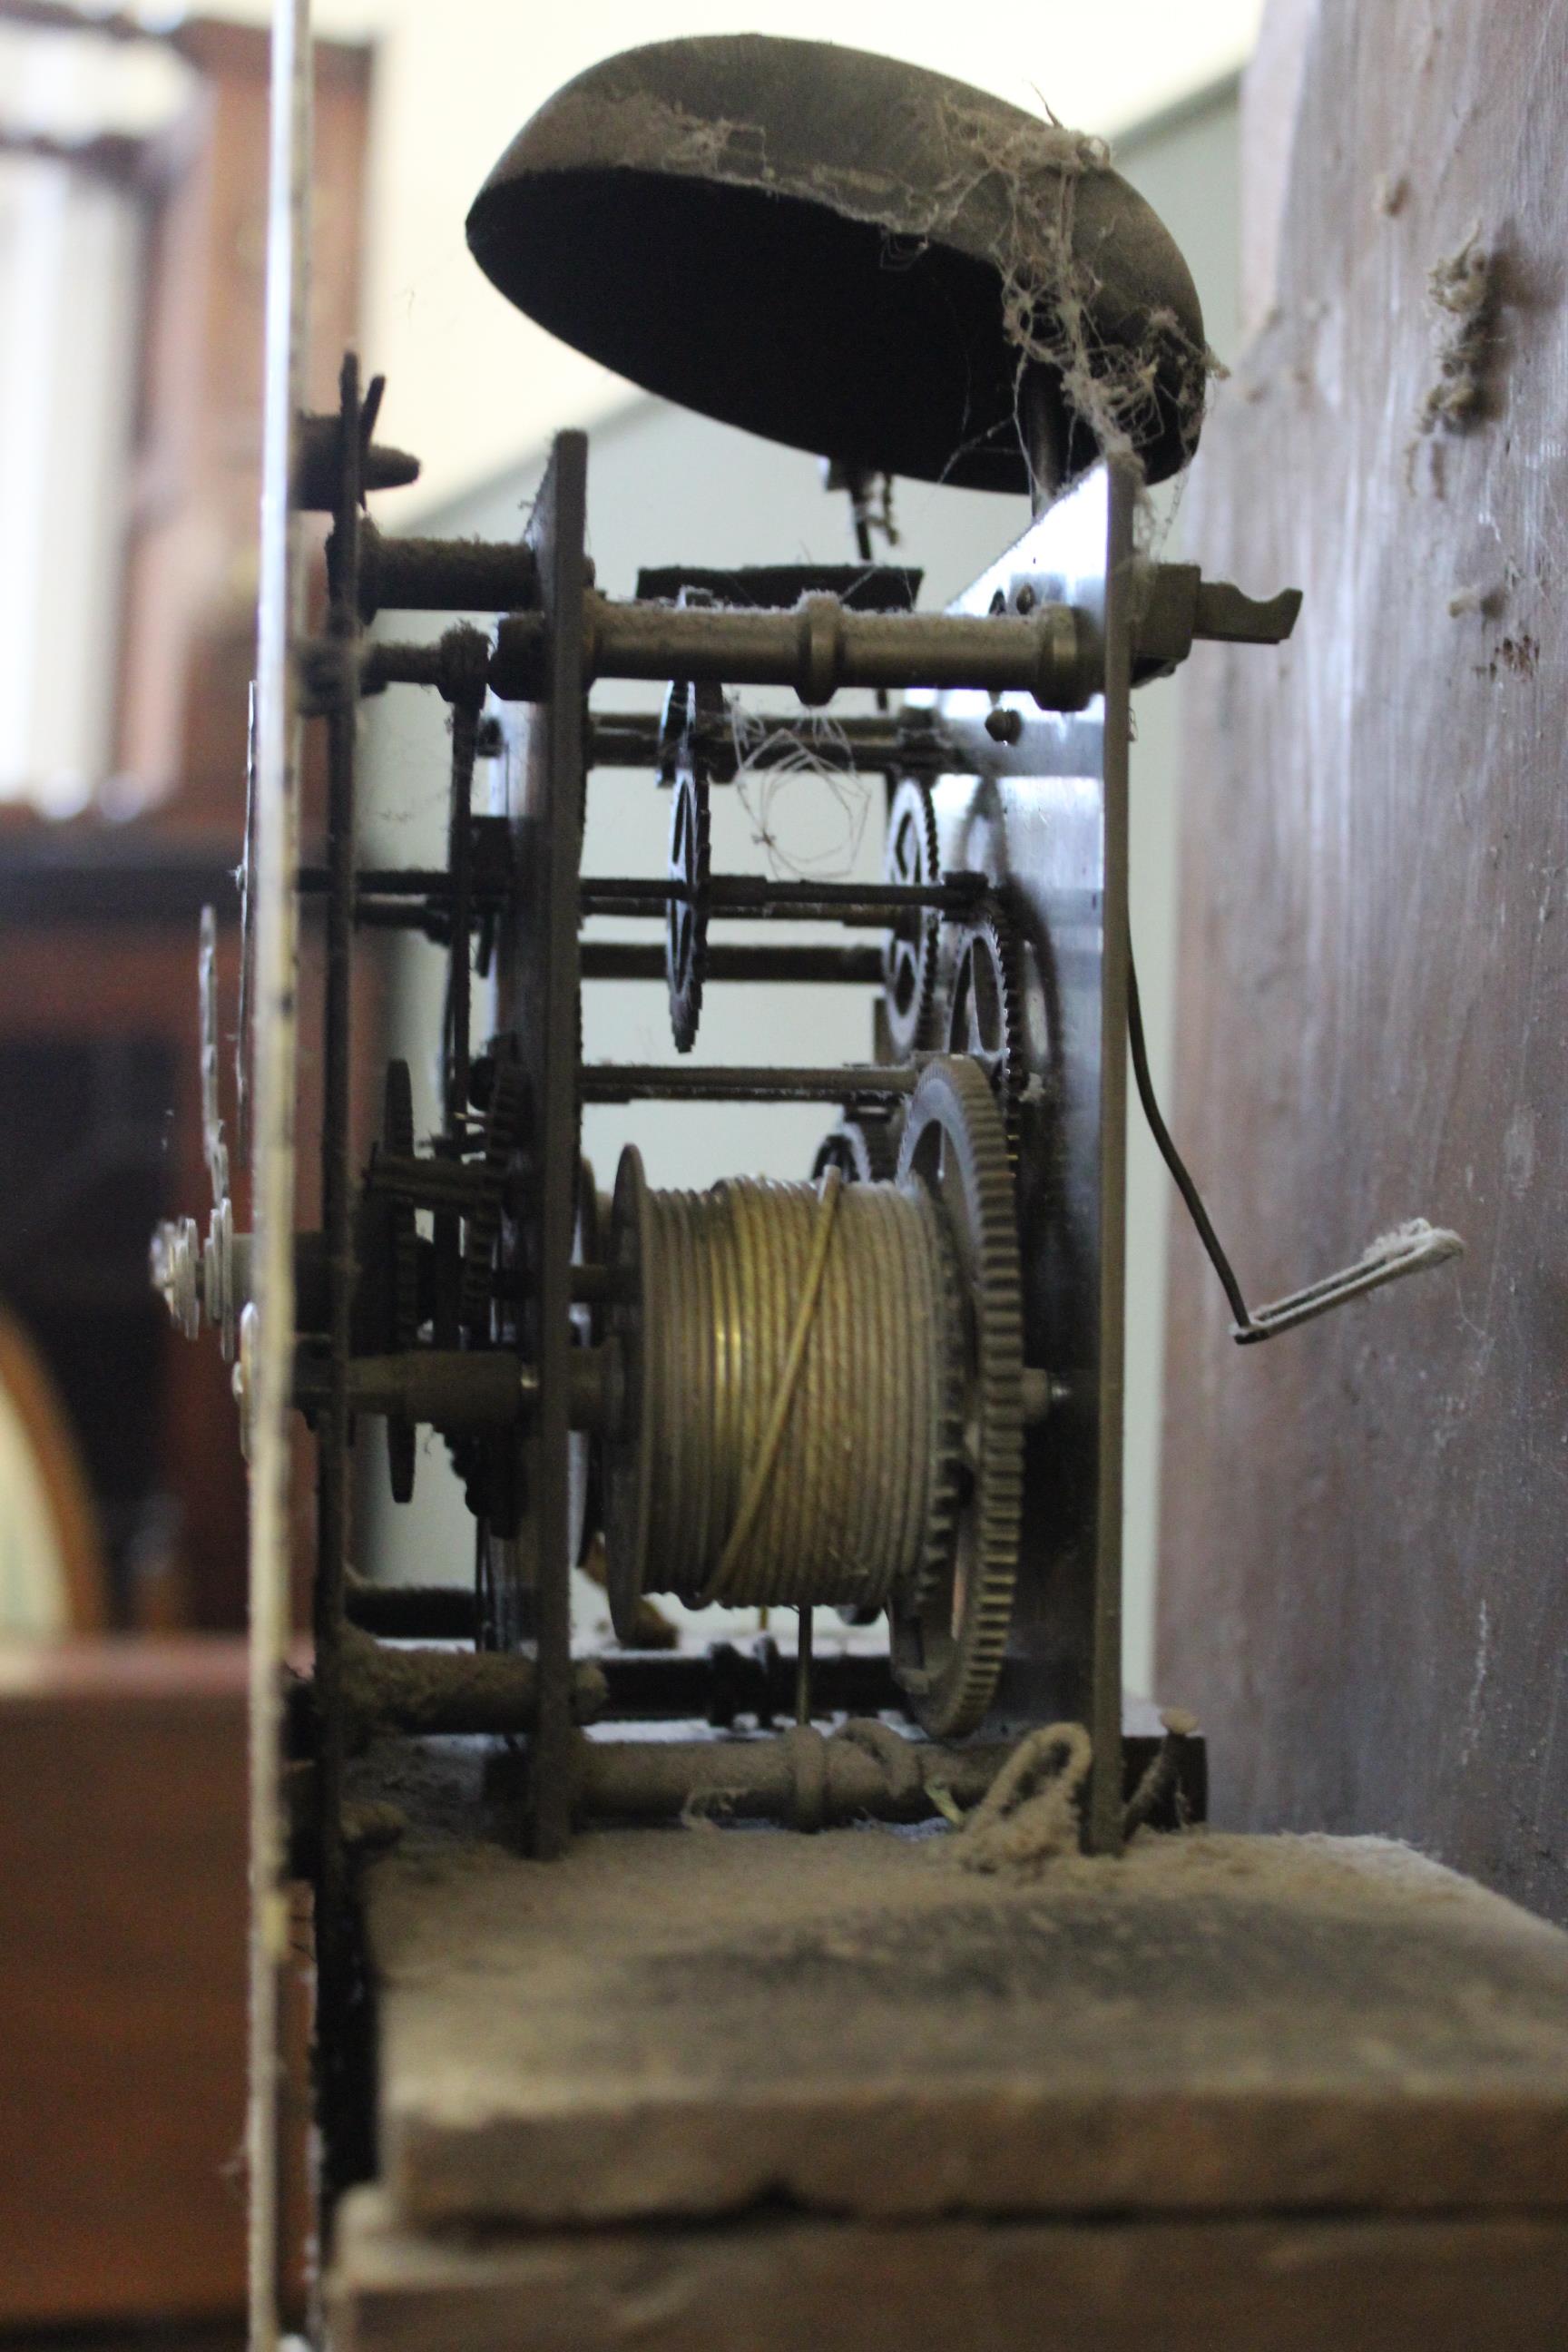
x: 913, y: 857
x: 689, y: 715
x: 985, y: 1011
x: 864, y: 1151
x: 947, y: 1373
x: 398, y: 1136
x: 949, y: 1633
x: 584, y: 1506
x: 504, y: 1133
x: 948, y: 1370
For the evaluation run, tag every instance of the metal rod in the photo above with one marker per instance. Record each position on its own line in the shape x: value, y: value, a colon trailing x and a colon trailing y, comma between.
x: 386, y: 664
x: 431, y: 1693
x: 269, y: 1050
x: 461, y: 860
x: 725, y: 1682
x: 382, y: 881
x: 624, y: 1082
x: 452, y: 1388
x: 1045, y: 436
x: 335, y: 1961
x: 630, y: 738
x: 1103, y: 1818
x: 715, y: 1685
x: 802, y: 1666
x: 758, y: 894
x: 1051, y: 652
x: 630, y: 960
x: 859, y: 487
x: 542, y: 998
x: 812, y: 1782
x: 727, y: 894
x: 403, y: 915
x: 445, y: 575
x: 413, y: 1612
x: 819, y: 647
x: 801, y: 1777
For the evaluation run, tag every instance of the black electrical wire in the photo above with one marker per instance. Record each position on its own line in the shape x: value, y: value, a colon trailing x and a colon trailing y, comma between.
x: 1173, y: 1157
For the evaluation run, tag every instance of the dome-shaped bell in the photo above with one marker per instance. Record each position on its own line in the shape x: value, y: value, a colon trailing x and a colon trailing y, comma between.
x: 848, y: 254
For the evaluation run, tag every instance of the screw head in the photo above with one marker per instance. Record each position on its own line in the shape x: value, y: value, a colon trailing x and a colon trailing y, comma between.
x: 174, y: 1265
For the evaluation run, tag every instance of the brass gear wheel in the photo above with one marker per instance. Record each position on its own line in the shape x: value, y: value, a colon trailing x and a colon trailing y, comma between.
x: 985, y: 1011
x: 912, y: 857
x: 584, y: 1492
x: 403, y: 1242
x: 866, y: 1152
x: 482, y: 1223
x: 691, y: 713
x: 949, y: 1634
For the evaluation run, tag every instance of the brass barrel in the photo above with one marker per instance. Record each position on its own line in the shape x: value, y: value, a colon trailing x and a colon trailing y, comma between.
x: 844, y: 1301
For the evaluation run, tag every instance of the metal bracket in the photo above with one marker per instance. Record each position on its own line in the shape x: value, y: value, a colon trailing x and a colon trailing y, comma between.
x: 1174, y: 605
x: 1407, y: 1250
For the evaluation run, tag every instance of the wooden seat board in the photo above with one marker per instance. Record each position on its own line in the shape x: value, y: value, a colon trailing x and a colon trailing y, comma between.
x: 687, y: 2021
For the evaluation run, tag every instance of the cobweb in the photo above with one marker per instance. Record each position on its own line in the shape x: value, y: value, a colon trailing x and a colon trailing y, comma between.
x: 813, y: 835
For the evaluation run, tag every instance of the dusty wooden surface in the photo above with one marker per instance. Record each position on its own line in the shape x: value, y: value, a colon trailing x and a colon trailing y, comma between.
x: 684, y: 2021
x: 1363, y: 1590
x: 1442, y: 2284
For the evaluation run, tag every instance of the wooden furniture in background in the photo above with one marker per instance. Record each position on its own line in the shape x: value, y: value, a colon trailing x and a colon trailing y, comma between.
x: 187, y: 652
x: 101, y: 1136
x: 123, y: 1844
x: 53, y: 1576
x: 122, y: 1778
x: 99, y: 1106
x: 1363, y: 1588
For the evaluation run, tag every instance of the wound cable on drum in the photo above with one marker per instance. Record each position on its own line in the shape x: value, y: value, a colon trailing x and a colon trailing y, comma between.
x: 797, y: 1392
x: 767, y: 1455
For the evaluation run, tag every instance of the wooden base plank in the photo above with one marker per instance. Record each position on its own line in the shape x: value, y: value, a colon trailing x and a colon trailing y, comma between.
x: 1439, y: 2285
x: 684, y: 2023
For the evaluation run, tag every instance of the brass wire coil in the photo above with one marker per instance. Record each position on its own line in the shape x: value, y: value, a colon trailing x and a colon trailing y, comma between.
x: 843, y: 1511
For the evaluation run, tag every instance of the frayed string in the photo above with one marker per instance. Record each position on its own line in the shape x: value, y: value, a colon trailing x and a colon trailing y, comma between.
x: 1030, y: 1812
